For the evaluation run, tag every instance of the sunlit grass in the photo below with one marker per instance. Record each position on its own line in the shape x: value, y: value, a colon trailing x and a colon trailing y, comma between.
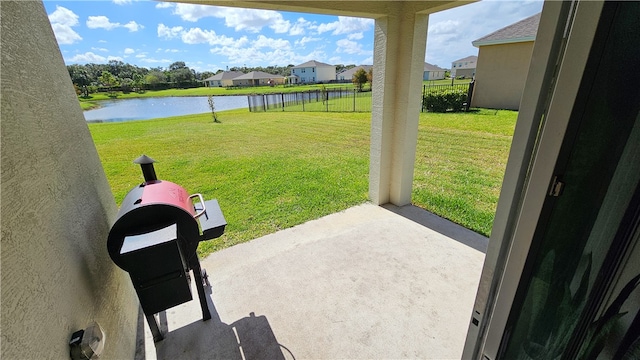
x: 460, y: 163
x: 269, y: 171
x: 274, y: 170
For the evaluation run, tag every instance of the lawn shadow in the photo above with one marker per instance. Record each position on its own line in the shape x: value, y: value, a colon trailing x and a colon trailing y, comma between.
x: 441, y: 225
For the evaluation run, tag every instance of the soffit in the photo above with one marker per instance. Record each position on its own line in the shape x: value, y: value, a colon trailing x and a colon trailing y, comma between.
x: 366, y: 9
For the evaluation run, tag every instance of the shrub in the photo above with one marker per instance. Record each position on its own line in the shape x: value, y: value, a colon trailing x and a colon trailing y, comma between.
x: 444, y: 100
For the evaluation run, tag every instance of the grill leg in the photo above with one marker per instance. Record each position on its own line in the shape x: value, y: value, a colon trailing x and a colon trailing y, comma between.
x: 153, y: 325
x: 197, y: 273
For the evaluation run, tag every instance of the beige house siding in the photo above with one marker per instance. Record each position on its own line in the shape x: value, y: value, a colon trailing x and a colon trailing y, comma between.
x: 501, y: 74
x: 221, y: 83
x: 466, y: 73
x: 57, y: 206
x: 258, y: 82
x: 226, y: 82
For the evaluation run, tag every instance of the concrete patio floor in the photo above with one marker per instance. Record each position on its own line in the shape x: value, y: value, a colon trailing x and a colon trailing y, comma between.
x: 368, y: 282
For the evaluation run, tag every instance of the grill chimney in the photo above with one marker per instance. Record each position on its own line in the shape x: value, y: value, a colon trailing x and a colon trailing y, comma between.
x: 146, y: 164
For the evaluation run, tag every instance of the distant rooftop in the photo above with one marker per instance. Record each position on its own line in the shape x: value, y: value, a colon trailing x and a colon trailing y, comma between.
x: 311, y: 63
x: 468, y: 58
x: 225, y: 75
x: 429, y: 67
x: 348, y: 74
x: 523, y: 30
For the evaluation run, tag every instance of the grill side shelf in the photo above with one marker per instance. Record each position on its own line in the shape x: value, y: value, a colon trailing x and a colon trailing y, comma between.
x: 212, y: 221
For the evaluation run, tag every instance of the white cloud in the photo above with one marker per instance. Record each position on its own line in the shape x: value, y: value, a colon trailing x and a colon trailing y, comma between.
x: 99, y: 49
x: 252, y: 56
x: 355, y: 36
x: 129, y: 51
x: 251, y: 20
x: 164, y: 5
x: 167, y: 32
x: 199, y: 36
x: 141, y: 55
x: 62, y: 19
x: 193, y: 13
x: 265, y: 42
x: 346, y: 25
x: 445, y: 27
x: 350, y: 47
x: 171, y: 50
x: 65, y: 35
x: 306, y: 39
x: 101, y: 22
x: 121, y: 2
x: 156, y: 61
x: 63, y: 16
x: 280, y: 26
x: 300, y: 27
x: 88, y: 57
x: 133, y: 26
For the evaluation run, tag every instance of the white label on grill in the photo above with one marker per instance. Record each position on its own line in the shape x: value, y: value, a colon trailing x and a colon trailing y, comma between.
x: 137, y: 242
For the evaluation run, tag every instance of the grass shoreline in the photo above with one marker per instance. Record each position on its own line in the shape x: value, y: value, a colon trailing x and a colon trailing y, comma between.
x: 92, y: 102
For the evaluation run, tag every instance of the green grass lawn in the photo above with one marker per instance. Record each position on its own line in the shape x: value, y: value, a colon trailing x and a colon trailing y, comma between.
x: 274, y: 170
x: 269, y: 171
x: 460, y: 162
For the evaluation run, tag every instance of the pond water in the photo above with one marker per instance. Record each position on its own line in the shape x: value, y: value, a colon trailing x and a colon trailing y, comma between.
x: 151, y: 108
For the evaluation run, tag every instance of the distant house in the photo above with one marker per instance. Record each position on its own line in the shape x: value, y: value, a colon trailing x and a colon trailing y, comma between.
x: 503, y: 64
x: 313, y: 72
x: 465, y: 67
x: 223, y: 78
x: 347, y: 75
x: 432, y: 72
x: 258, y: 78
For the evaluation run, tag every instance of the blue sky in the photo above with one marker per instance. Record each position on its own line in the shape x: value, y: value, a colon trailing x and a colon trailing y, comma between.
x: 208, y: 38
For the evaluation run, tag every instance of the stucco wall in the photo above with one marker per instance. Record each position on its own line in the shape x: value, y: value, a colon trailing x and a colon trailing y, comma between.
x: 433, y: 75
x: 56, y: 205
x: 501, y: 74
x: 466, y: 73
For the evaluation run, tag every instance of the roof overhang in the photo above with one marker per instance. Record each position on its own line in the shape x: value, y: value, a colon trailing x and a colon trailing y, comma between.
x: 504, y: 41
x: 365, y: 9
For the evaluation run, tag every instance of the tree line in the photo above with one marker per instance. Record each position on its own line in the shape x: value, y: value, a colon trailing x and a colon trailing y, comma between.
x: 117, y: 75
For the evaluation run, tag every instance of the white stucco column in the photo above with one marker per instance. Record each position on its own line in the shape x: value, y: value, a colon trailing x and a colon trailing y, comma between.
x: 398, y: 63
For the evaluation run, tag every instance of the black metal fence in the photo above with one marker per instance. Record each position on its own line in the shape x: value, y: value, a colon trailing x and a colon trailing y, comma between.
x: 328, y: 100
x: 337, y: 99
